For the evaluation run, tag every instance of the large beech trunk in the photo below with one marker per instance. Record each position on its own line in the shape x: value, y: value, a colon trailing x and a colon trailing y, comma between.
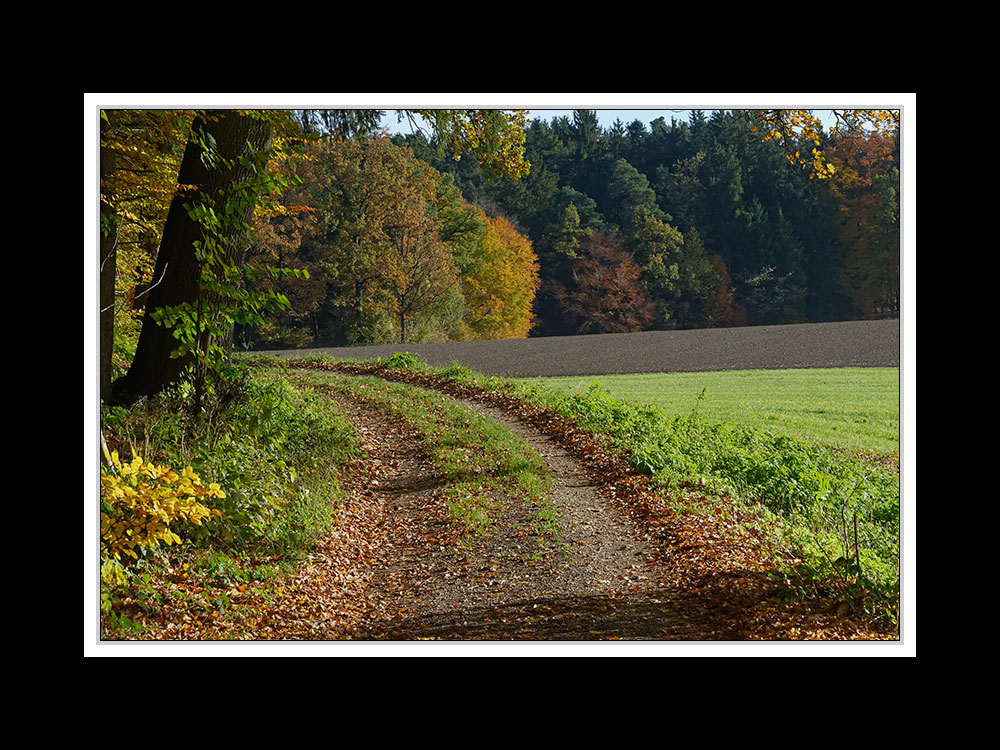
x: 177, y: 275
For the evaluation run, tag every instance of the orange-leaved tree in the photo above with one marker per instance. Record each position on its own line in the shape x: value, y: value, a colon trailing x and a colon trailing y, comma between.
x: 602, y: 293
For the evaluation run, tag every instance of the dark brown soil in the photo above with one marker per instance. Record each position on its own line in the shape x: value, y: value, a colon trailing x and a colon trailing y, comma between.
x: 874, y: 343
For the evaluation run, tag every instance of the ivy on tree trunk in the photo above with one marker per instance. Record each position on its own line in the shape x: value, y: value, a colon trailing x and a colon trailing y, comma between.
x: 225, y: 154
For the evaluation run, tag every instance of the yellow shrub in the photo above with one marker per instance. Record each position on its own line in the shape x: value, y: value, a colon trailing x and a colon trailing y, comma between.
x: 140, y: 501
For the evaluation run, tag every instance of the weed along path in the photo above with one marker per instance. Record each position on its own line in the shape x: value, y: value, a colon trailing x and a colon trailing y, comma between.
x: 494, y: 525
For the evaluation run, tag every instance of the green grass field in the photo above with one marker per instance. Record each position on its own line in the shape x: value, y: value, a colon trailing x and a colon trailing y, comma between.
x: 854, y: 408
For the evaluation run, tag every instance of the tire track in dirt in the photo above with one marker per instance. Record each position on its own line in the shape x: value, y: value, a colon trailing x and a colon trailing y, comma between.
x: 598, y: 582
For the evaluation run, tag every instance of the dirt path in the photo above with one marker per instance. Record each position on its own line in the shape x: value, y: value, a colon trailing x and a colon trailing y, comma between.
x: 630, y: 562
x: 599, y: 582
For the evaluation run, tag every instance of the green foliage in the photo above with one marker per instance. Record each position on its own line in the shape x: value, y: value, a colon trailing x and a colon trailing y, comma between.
x: 266, y: 451
x: 782, y: 472
x: 275, y: 456
x: 404, y: 361
x: 273, y: 435
x: 203, y: 324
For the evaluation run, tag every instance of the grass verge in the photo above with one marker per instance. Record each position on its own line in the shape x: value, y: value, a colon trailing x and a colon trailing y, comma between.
x: 838, y: 511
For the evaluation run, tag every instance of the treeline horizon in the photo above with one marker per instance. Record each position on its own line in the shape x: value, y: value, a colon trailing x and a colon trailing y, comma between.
x: 696, y: 223
x: 368, y: 238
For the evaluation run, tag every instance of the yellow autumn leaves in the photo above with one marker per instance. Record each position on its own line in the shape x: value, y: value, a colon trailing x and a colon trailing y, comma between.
x: 141, y: 500
x: 801, y: 124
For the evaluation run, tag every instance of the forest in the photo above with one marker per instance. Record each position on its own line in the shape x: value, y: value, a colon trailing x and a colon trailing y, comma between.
x: 360, y: 237
x: 701, y: 223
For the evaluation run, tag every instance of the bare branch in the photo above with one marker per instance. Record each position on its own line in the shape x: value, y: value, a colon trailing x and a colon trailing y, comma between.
x: 146, y: 290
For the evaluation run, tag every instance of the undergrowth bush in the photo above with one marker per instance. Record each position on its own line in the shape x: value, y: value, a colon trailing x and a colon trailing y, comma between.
x: 142, y: 503
x: 404, y: 361
x: 270, y: 460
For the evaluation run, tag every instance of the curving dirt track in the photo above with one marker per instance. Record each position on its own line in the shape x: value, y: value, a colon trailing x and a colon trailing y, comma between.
x: 628, y: 567
x: 628, y: 570
x: 874, y: 343
x: 598, y: 584
x: 421, y: 579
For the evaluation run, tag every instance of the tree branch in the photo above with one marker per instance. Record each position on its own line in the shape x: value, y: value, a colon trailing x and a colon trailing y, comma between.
x: 144, y: 291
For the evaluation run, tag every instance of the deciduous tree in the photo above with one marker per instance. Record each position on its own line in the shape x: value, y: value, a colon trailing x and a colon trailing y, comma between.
x: 500, y: 289
x: 418, y: 269
x: 218, y: 186
x: 380, y: 249
x: 220, y: 177
x: 603, y: 293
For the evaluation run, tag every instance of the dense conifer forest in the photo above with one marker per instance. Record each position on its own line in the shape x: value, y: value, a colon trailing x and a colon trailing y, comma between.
x: 697, y: 223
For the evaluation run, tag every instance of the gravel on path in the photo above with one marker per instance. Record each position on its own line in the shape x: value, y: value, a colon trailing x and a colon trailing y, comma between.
x: 598, y: 582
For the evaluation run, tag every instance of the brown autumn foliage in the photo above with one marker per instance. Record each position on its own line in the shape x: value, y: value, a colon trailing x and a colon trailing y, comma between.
x: 602, y: 293
x: 866, y: 192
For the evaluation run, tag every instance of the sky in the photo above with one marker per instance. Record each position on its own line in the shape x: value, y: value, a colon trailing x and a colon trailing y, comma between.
x: 605, y: 116
x: 626, y: 106
x: 645, y: 107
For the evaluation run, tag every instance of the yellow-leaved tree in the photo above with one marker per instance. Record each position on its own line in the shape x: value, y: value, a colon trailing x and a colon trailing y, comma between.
x: 500, y: 289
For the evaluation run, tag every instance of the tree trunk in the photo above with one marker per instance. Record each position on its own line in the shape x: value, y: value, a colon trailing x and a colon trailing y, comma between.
x: 177, y: 275
x: 108, y: 266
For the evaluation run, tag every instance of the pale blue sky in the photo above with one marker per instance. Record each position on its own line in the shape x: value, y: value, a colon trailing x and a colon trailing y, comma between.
x: 606, y: 117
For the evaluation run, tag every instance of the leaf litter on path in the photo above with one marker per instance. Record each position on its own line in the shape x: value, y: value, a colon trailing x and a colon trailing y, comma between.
x: 630, y: 566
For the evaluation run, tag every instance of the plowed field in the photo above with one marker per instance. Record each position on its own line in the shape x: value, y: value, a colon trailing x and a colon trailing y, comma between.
x: 848, y: 344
